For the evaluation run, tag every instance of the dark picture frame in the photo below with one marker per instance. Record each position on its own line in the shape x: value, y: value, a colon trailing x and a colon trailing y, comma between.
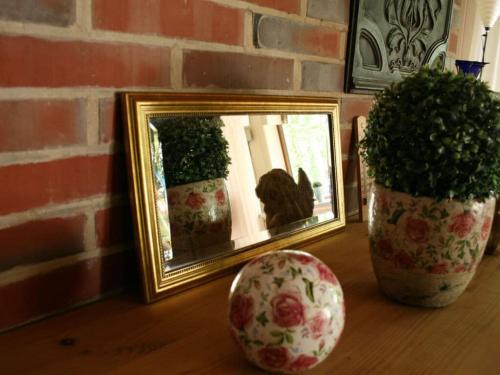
x: 389, y: 39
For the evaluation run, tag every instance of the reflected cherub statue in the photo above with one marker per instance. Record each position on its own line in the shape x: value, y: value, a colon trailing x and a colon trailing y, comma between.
x: 284, y: 200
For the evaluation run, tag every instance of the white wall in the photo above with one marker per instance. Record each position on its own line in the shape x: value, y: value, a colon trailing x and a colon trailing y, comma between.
x: 471, y: 43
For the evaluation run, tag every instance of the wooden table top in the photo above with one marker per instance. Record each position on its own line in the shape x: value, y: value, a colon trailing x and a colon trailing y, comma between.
x: 188, y: 334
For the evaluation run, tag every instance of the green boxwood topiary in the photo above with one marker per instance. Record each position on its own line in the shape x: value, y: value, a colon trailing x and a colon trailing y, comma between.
x: 194, y: 149
x: 435, y: 134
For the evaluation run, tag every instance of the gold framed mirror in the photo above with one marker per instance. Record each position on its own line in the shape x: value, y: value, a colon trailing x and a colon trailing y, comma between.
x: 216, y: 179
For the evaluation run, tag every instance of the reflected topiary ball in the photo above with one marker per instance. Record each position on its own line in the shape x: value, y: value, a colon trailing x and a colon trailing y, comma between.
x: 286, y: 311
x: 193, y: 148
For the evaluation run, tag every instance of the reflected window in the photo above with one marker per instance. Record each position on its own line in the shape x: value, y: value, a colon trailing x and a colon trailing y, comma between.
x: 279, y: 180
x: 311, y: 152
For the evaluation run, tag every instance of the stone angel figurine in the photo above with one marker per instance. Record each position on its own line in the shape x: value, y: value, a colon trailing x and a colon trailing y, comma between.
x: 284, y: 200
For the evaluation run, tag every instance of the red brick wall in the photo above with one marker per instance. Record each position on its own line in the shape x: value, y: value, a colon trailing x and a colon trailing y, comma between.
x: 64, y: 219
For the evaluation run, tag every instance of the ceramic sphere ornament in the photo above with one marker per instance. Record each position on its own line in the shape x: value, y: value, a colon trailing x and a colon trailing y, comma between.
x: 286, y: 311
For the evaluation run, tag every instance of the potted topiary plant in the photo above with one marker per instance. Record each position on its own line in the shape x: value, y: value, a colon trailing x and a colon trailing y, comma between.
x: 493, y: 245
x: 318, y: 191
x: 195, y: 163
x: 433, y: 147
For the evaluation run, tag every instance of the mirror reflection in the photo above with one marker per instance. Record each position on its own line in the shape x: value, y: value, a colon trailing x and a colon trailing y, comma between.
x: 223, y: 183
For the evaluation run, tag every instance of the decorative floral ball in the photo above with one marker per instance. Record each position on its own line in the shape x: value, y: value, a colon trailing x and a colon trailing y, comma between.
x: 286, y: 310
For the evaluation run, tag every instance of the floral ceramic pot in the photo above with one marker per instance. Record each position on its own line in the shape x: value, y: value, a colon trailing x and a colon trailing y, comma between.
x: 199, y: 214
x: 286, y: 311
x: 425, y: 252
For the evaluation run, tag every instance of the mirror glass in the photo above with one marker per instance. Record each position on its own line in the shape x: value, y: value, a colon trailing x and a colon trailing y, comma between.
x: 226, y: 182
x: 218, y: 179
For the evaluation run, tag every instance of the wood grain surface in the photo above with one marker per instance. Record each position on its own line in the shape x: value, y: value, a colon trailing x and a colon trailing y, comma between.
x: 188, y: 333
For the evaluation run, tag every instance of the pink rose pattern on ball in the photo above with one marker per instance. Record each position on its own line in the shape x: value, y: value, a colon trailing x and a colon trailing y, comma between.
x: 286, y: 311
x: 304, y: 259
x: 302, y: 363
x: 241, y: 311
x: 326, y: 274
x: 425, y: 236
x: 318, y: 323
x: 274, y: 357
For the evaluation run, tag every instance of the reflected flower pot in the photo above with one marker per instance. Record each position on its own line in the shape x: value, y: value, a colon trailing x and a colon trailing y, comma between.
x: 425, y: 252
x: 318, y: 193
x: 199, y: 214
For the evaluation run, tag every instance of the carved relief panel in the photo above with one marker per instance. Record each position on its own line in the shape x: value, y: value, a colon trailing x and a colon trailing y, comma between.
x: 389, y: 39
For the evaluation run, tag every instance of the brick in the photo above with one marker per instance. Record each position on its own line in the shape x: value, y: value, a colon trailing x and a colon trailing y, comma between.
x: 329, y: 10
x: 289, y: 6
x: 41, y: 124
x: 113, y: 226
x: 352, y: 107
x: 286, y: 35
x: 65, y: 287
x: 51, y: 12
x: 322, y: 77
x: 110, y: 123
x: 191, y: 19
x: 453, y: 43
x: 28, y: 61
x: 29, y: 186
x: 41, y: 240
x: 236, y: 71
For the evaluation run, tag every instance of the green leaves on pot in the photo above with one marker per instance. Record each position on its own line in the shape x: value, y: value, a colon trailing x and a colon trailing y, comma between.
x: 435, y: 134
x: 194, y: 149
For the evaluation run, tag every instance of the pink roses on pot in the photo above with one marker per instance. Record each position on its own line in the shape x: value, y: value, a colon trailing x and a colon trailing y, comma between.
x: 417, y: 230
x: 195, y: 201
x: 462, y: 224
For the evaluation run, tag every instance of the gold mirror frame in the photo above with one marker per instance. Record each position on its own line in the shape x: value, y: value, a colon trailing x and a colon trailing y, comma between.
x: 138, y: 108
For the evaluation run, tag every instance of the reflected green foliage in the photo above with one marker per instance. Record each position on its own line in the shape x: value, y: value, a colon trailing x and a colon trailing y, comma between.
x: 194, y: 149
x: 435, y: 134
x: 308, y: 150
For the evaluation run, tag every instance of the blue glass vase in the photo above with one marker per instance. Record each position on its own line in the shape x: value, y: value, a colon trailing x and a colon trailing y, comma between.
x: 470, y: 67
